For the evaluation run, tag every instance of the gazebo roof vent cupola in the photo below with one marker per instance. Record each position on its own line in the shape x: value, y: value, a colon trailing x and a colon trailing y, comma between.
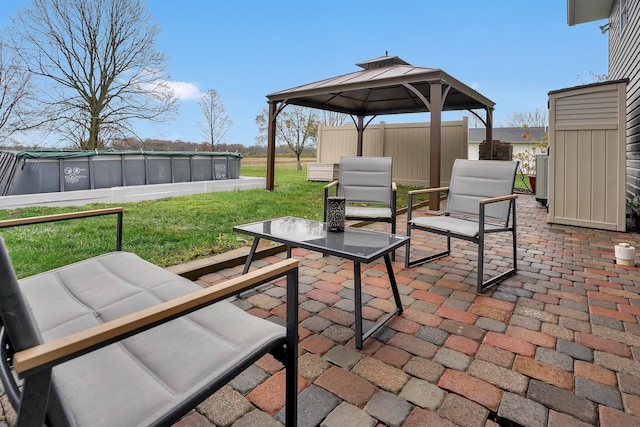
x: 383, y: 61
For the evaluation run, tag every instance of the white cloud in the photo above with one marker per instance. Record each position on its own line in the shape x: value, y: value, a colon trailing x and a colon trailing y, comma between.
x: 148, y: 80
x: 184, y: 90
x: 475, y: 85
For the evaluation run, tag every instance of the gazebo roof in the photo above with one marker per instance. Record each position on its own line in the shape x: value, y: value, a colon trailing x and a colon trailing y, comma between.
x: 386, y: 85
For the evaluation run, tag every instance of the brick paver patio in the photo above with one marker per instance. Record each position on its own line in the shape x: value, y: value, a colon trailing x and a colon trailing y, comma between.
x: 556, y: 345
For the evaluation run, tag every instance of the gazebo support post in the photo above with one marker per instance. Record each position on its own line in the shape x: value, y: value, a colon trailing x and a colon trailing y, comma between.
x: 435, y: 136
x: 271, y: 147
x: 488, y: 147
x: 360, y: 135
x: 360, y: 127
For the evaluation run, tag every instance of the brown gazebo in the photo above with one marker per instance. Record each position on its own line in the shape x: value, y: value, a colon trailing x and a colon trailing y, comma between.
x: 386, y: 85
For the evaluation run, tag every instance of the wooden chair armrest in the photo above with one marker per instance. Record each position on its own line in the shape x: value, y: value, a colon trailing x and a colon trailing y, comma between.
x: 412, y: 193
x: 58, y: 217
x: 428, y: 190
x: 331, y: 184
x: 498, y: 199
x: 71, y: 215
x: 47, y: 355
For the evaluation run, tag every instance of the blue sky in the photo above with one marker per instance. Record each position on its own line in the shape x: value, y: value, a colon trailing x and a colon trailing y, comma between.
x: 511, y: 51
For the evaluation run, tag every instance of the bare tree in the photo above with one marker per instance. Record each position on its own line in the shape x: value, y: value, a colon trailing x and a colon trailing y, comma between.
x: 14, y: 89
x: 332, y: 118
x: 595, y: 78
x: 297, y: 127
x: 536, y: 118
x: 97, y: 67
x: 217, y: 122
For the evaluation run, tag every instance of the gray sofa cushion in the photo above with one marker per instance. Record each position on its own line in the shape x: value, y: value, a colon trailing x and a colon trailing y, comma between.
x: 151, y: 372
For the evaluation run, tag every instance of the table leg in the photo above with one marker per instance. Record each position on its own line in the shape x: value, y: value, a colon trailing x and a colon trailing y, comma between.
x: 357, y: 288
x: 252, y: 252
x: 360, y: 337
x: 392, y: 281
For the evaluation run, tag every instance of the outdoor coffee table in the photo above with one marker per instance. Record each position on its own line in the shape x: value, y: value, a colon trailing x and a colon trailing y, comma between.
x: 355, y: 244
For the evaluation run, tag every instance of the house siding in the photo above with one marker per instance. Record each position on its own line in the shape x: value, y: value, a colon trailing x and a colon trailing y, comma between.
x: 624, y: 63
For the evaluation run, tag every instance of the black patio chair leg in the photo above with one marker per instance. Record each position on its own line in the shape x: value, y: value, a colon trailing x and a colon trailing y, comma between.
x: 408, y: 247
x: 480, y: 287
x: 291, y: 362
x: 35, y: 396
x: 393, y: 231
x: 513, y: 236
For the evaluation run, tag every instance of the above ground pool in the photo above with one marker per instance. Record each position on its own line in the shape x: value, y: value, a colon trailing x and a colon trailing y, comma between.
x: 30, y: 172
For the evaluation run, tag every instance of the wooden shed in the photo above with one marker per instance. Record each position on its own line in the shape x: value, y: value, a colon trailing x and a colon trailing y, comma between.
x: 587, y: 156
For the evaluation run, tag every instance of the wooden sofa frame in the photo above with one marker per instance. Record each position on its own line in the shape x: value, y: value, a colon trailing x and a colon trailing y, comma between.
x: 34, y: 362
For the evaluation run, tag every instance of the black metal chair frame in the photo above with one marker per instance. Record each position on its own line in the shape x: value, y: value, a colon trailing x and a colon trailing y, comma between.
x: 34, y: 365
x: 484, y: 228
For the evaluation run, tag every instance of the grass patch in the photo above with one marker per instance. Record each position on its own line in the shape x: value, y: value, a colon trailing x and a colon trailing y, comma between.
x: 522, y: 182
x: 167, y: 231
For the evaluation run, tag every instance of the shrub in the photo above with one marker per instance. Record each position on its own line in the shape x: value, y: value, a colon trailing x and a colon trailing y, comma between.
x: 527, y: 159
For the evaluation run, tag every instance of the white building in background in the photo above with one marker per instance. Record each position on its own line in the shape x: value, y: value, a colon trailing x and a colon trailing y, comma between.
x: 514, y: 135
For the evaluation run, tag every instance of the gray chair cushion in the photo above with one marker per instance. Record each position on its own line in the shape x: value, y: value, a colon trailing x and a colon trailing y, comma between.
x: 365, y: 179
x: 474, y: 180
x: 153, y: 371
x: 455, y: 225
x: 367, y: 212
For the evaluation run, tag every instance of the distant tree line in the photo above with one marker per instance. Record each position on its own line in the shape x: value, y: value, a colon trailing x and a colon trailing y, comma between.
x: 150, y: 144
x: 163, y: 145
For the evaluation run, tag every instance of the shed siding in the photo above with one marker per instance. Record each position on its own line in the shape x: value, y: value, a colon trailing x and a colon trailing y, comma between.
x: 624, y: 62
x: 594, y: 108
x: 586, y: 166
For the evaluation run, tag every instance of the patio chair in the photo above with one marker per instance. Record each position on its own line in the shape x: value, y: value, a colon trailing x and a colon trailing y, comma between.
x: 480, y: 201
x: 115, y: 340
x: 368, y: 189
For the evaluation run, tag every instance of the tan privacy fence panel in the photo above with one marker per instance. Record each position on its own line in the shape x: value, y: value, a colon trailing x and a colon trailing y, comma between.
x: 407, y: 143
x: 587, y: 156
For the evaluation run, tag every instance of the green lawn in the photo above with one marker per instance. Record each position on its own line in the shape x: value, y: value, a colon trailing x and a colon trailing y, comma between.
x: 168, y: 231
x: 522, y: 181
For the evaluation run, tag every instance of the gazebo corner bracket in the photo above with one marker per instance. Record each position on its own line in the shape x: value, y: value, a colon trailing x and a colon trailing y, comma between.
x: 445, y: 92
x: 484, y: 122
x: 417, y: 93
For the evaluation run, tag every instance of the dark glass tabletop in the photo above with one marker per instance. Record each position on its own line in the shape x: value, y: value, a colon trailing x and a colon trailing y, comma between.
x: 356, y: 244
